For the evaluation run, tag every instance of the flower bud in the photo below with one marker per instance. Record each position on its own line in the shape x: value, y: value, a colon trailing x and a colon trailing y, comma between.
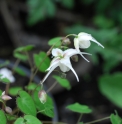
x: 66, y: 41
x: 63, y: 75
x: 42, y: 96
x: 8, y: 109
x: 6, y: 97
x: 74, y: 58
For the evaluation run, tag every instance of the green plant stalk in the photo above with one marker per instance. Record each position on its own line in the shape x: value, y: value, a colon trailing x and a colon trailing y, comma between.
x: 29, y: 59
x: 54, y: 84
x: 8, y: 85
x: 33, y: 74
x: 49, y: 122
x: 71, y: 35
x: 79, y: 118
x: 91, y: 122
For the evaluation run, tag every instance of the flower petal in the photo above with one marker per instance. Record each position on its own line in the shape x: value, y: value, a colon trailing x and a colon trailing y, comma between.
x: 85, y: 37
x: 63, y: 67
x: 3, y: 93
x: 57, y: 52
x: 70, y: 52
x: 67, y: 63
x: 53, y: 62
x: 76, y: 44
x: 94, y: 40
x: 51, y: 69
x: 84, y: 43
x: 83, y: 56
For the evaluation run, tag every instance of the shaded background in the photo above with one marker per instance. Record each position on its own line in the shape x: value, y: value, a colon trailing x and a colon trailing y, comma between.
x: 24, y: 22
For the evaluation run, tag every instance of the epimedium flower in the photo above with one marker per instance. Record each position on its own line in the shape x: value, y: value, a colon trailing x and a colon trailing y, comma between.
x: 82, y: 40
x: 6, y: 73
x: 62, y: 59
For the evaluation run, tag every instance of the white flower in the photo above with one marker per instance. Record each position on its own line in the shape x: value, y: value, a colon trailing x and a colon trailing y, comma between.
x: 83, y: 41
x: 62, y: 59
x: 6, y: 73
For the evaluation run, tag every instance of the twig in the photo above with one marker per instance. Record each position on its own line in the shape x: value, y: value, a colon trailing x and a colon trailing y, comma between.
x: 54, y: 84
x: 79, y: 118
x: 91, y: 122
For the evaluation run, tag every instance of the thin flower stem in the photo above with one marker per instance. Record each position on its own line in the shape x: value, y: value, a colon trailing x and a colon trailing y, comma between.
x: 79, y: 118
x: 33, y: 74
x: 15, y: 110
x: 29, y: 59
x: 3, y: 105
x: 71, y: 35
x: 15, y: 65
x: 8, y: 85
x: 50, y: 122
x: 91, y: 122
x: 54, y: 84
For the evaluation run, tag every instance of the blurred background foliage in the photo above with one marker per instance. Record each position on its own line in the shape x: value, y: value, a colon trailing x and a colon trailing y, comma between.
x: 101, y: 18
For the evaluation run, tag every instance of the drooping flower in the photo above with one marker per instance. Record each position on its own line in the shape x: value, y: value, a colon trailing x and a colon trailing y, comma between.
x: 83, y: 41
x: 5, y: 97
x: 6, y: 73
x: 62, y: 59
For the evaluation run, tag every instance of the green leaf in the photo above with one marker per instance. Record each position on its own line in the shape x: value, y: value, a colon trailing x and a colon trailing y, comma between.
x: 39, y: 10
x: 25, y: 103
x: 111, y: 87
x: 115, y: 119
x: 0, y: 92
x: 51, y: 8
x: 81, y: 123
x: 5, y: 80
x: 76, y: 107
x: 11, y: 117
x: 49, y: 112
x: 20, y: 56
x: 55, y: 41
x: 2, y: 117
x: 24, y: 48
x: 63, y: 82
x: 4, y: 64
x: 28, y: 119
x: 14, y: 90
x: 32, y: 86
x: 19, y: 121
x: 68, y: 3
x: 31, y: 120
x: 19, y: 71
x: 41, y: 62
x: 103, y: 22
x: 47, y: 108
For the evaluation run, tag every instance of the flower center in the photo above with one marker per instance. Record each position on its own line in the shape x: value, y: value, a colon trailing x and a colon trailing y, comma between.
x: 60, y: 55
